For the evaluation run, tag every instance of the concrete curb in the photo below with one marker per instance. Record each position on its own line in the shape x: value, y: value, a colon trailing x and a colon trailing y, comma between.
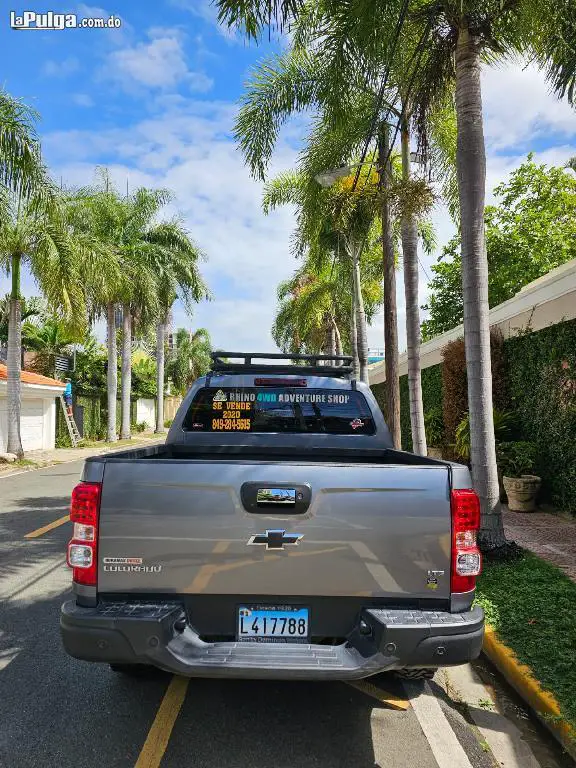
x: 521, y: 678
x: 96, y: 452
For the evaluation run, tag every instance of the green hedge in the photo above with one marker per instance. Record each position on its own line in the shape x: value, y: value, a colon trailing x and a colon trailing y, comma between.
x: 542, y: 382
x: 95, y: 419
x: 540, y: 376
x: 431, y: 396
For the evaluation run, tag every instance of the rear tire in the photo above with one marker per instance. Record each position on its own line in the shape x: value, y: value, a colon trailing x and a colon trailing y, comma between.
x: 416, y: 674
x: 132, y: 670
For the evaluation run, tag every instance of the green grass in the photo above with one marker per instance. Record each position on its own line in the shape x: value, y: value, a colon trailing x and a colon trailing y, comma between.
x: 532, y: 606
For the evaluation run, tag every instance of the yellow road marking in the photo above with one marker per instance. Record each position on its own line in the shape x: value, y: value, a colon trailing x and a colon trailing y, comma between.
x: 385, y: 697
x: 159, y: 734
x: 46, y: 528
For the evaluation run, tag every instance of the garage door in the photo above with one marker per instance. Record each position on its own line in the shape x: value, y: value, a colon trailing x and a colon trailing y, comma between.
x: 32, y: 424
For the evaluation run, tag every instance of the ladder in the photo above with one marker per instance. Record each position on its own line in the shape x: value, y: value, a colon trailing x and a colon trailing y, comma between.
x: 75, y: 436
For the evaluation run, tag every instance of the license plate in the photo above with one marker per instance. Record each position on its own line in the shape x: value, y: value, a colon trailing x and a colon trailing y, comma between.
x: 272, y: 623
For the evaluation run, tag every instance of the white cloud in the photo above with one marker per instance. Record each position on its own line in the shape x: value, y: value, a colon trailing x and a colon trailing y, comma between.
x: 61, y: 68
x: 188, y: 147
x: 207, y: 11
x: 82, y: 100
x: 520, y: 115
x: 189, y: 150
x: 159, y: 63
x: 519, y: 108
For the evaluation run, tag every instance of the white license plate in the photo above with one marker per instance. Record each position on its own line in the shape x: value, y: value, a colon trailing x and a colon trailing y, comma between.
x: 283, y: 622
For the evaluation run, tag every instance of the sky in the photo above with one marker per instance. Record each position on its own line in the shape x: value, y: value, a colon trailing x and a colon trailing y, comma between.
x: 155, y: 101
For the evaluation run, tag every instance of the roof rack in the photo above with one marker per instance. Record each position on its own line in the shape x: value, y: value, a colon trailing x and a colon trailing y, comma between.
x: 335, y: 366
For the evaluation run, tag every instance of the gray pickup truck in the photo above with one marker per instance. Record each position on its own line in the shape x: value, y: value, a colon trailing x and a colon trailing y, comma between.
x: 276, y: 534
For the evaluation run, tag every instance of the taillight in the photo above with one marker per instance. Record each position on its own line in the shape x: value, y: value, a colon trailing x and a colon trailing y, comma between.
x: 466, y: 558
x: 82, y: 548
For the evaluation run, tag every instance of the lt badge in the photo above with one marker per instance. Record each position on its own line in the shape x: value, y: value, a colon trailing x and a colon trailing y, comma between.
x: 432, y: 579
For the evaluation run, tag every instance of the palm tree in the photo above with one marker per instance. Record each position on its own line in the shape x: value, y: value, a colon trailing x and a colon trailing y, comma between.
x: 22, y: 171
x: 48, y: 340
x: 191, y: 358
x: 124, y: 228
x: 327, y: 219
x: 303, y: 78
x: 453, y: 35
x: 23, y: 177
x: 33, y: 233
x: 28, y: 308
x: 175, y: 258
x: 94, y: 215
x: 316, y: 302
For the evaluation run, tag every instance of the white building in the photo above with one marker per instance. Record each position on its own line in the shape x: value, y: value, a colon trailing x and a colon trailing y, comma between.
x: 38, y: 416
x: 546, y: 301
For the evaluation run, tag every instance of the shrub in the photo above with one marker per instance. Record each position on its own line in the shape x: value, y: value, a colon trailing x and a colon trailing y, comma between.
x: 502, y: 429
x: 140, y: 426
x: 434, y: 425
x: 455, y: 381
x: 168, y: 423
x: 516, y: 458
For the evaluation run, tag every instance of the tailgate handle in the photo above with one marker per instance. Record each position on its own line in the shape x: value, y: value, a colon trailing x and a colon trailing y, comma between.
x: 283, y: 496
x: 275, y: 498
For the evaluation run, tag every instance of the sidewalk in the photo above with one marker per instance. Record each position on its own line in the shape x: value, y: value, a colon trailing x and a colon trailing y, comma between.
x: 38, y: 459
x: 551, y: 537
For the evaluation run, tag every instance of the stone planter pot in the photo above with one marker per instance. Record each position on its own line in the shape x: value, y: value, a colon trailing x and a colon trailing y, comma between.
x: 522, y: 492
x: 434, y: 453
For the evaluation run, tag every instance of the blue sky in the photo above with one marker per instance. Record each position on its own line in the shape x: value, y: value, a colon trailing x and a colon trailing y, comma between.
x: 155, y: 101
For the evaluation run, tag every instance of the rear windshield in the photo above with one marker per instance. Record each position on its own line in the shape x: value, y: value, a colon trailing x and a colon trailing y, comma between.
x: 283, y: 409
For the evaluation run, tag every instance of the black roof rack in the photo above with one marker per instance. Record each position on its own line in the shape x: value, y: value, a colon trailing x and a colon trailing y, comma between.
x: 336, y: 366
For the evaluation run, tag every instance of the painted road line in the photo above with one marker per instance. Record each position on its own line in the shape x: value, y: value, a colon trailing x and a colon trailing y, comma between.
x: 159, y: 734
x: 46, y: 528
x: 443, y: 742
x: 384, y: 697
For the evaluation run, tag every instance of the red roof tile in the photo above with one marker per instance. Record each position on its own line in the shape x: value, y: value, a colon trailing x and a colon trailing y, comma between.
x: 27, y: 377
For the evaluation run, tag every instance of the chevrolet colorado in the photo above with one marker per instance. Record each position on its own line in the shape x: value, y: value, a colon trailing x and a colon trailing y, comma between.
x: 276, y: 534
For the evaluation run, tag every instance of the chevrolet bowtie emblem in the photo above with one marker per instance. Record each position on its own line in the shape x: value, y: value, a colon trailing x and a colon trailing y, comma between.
x: 275, y: 539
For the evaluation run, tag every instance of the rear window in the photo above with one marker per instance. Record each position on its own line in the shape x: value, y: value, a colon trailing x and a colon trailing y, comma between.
x: 282, y: 409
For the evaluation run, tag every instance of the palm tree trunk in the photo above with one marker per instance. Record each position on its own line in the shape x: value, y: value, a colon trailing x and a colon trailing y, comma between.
x: 14, y: 362
x: 410, y: 254
x: 390, y: 311
x: 354, y: 340
x: 331, y: 339
x: 160, y: 377
x: 361, y: 335
x: 471, y: 169
x: 112, y: 375
x: 337, y: 337
x: 126, y: 372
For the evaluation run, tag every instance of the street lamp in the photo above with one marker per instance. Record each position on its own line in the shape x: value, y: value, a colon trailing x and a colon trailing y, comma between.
x: 327, y: 178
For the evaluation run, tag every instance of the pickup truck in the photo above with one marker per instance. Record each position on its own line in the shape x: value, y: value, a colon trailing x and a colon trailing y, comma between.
x: 275, y: 534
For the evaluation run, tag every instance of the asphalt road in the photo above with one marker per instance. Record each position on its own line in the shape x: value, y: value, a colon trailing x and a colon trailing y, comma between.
x: 57, y: 711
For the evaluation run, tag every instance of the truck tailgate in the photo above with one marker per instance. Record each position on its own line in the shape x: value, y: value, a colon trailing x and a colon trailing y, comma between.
x: 189, y: 527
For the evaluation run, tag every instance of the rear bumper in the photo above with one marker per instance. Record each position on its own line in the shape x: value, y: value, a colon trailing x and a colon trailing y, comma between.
x: 137, y: 633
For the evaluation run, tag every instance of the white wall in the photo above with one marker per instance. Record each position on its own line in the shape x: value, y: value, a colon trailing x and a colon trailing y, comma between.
x: 38, y: 417
x: 549, y: 300
x: 146, y: 411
